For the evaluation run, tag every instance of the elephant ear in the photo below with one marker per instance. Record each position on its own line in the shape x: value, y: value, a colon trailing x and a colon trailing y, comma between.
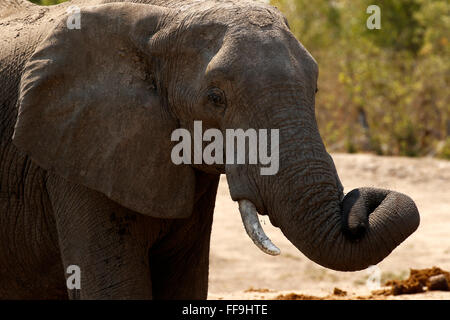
x: 89, y: 111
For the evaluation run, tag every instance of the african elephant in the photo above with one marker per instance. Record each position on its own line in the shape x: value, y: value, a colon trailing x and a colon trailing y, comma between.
x: 86, y: 175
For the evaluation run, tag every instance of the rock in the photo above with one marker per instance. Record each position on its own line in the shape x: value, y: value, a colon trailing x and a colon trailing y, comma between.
x: 438, y: 282
x: 339, y: 292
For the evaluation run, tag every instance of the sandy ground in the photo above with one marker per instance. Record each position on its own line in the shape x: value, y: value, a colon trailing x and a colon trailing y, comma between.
x: 239, y: 270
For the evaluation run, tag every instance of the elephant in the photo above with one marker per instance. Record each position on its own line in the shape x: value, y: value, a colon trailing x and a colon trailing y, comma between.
x: 91, y: 92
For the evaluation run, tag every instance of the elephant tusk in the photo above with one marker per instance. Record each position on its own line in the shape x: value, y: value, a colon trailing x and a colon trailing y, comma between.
x: 254, y: 230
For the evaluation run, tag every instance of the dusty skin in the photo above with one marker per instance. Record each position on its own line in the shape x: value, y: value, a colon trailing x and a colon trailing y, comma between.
x: 238, y: 270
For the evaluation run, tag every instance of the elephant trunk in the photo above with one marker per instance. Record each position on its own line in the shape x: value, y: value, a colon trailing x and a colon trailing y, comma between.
x: 352, y: 234
x: 348, y: 235
x: 305, y: 199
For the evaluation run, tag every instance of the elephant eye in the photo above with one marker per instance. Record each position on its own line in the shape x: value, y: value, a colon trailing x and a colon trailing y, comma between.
x: 317, y: 90
x: 153, y: 84
x: 217, y: 97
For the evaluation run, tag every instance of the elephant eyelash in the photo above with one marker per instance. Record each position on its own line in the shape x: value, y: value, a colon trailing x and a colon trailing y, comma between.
x: 216, y: 97
x: 153, y: 85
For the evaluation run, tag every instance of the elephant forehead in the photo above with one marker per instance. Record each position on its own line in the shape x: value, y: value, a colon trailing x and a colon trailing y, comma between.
x: 260, y: 17
x: 231, y: 13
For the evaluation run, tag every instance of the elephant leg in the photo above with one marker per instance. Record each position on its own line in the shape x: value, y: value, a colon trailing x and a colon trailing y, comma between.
x: 108, y: 242
x: 181, y: 271
x: 180, y: 263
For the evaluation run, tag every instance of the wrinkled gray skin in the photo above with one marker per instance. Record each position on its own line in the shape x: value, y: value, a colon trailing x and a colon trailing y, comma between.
x: 85, y: 171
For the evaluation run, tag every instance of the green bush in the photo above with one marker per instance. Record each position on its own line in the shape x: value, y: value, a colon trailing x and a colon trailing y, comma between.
x: 384, y: 91
x: 47, y: 2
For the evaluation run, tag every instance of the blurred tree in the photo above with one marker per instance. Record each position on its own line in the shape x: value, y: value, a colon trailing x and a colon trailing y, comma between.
x: 401, y: 28
x: 47, y: 2
x: 385, y: 90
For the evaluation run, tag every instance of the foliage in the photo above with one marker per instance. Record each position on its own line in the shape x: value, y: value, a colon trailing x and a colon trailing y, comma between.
x: 385, y: 90
x: 47, y: 2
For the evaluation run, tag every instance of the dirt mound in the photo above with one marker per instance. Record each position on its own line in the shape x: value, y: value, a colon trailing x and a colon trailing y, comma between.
x: 295, y: 296
x: 260, y: 290
x: 420, y: 280
x: 338, y: 294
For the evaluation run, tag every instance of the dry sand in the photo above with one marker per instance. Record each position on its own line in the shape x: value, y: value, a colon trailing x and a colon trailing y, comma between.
x: 239, y: 270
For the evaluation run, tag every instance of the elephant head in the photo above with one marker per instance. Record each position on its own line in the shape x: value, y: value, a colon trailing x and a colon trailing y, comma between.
x: 98, y: 106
